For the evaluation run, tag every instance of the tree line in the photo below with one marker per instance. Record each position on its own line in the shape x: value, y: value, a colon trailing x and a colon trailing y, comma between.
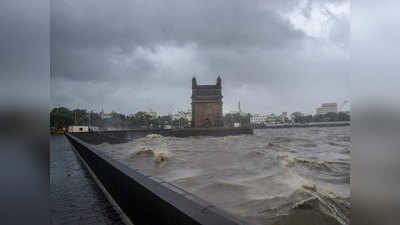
x: 231, y: 118
x: 62, y: 117
x: 298, y: 117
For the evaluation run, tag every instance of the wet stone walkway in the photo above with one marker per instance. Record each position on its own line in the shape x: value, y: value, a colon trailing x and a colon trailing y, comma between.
x: 75, y: 197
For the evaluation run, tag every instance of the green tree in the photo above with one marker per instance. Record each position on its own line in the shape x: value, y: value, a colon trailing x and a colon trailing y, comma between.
x: 230, y: 119
x: 343, y: 116
x: 331, y: 116
x: 297, y: 117
x: 61, y: 117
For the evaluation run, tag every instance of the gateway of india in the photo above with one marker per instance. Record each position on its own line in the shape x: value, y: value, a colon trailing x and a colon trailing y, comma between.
x: 207, y: 104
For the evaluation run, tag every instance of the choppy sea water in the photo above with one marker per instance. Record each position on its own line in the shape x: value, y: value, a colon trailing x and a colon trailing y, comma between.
x: 276, y: 176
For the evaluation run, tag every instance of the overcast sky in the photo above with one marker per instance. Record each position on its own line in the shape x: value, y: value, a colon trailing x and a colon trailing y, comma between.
x: 131, y: 55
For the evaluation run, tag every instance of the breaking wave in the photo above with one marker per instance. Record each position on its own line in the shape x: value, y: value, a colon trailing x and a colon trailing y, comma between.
x: 330, y: 208
x: 307, y: 205
x: 150, y: 136
x: 159, y: 156
x: 310, y: 163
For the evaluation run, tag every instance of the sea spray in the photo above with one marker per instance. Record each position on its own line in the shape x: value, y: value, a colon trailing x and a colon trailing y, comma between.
x: 160, y: 156
x: 313, y: 207
x: 144, y: 150
x: 151, y: 136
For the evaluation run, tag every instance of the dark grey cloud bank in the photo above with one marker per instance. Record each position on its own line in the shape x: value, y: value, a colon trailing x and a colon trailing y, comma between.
x: 24, y: 54
x: 130, y: 55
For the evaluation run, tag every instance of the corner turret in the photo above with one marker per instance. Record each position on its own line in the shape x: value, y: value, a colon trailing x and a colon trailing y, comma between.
x: 194, y: 83
x: 219, y: 81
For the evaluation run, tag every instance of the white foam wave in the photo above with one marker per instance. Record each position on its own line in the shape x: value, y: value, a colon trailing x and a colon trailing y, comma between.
x: 159, y: 155
x: 151, y: 136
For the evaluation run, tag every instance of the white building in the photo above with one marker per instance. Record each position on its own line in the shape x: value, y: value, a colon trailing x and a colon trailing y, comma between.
x: 152, y: 114
x: 284, y: 117
x: 258, y: 118
x: 182, y: 114
x: 72, y: 129
x: 327, y: 108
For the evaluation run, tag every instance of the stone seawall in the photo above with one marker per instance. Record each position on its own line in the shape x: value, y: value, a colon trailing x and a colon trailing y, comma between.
x: 146, y: 199
x: 303, y: 125
x: 121, y: 136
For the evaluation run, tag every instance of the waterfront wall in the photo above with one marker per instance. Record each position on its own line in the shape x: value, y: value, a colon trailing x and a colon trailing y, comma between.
x: 146, y: 199
x: 303, y: 125
x: 121, y: 136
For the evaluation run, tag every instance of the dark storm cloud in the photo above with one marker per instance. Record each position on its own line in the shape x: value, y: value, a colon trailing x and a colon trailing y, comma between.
x: 24, y: 52
x: 79, y: 28
x: 126, y: 24
x: 141, y: 54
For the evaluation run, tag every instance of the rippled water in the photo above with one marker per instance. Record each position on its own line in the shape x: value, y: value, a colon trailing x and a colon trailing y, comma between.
x: 276, y: 176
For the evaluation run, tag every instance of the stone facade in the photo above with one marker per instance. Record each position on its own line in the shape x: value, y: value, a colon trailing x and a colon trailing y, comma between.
x: 207, y: 104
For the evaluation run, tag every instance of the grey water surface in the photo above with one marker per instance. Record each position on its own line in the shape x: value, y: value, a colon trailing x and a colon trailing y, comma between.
x: 276, y: 176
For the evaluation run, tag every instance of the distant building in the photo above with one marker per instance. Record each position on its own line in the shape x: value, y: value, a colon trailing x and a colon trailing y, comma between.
x: 105, y: 115
x: 258, y: 118
x: 263, y: 118
x: 284, y: 116
x: 73, y: 129
x: 183, y: 115
x: 327, y: 108
x: 152, y: 114
x: 276, y: 119
x: 207, y: 104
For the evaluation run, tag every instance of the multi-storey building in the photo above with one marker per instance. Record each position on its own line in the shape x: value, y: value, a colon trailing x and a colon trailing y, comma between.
x: 258, y: 118
x: 327, y: 108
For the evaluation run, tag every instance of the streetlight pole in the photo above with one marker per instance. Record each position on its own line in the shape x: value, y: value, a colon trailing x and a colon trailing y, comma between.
x: 90, y: 112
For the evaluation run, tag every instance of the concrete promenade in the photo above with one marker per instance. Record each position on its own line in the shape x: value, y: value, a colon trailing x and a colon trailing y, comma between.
x: 75, y: 197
